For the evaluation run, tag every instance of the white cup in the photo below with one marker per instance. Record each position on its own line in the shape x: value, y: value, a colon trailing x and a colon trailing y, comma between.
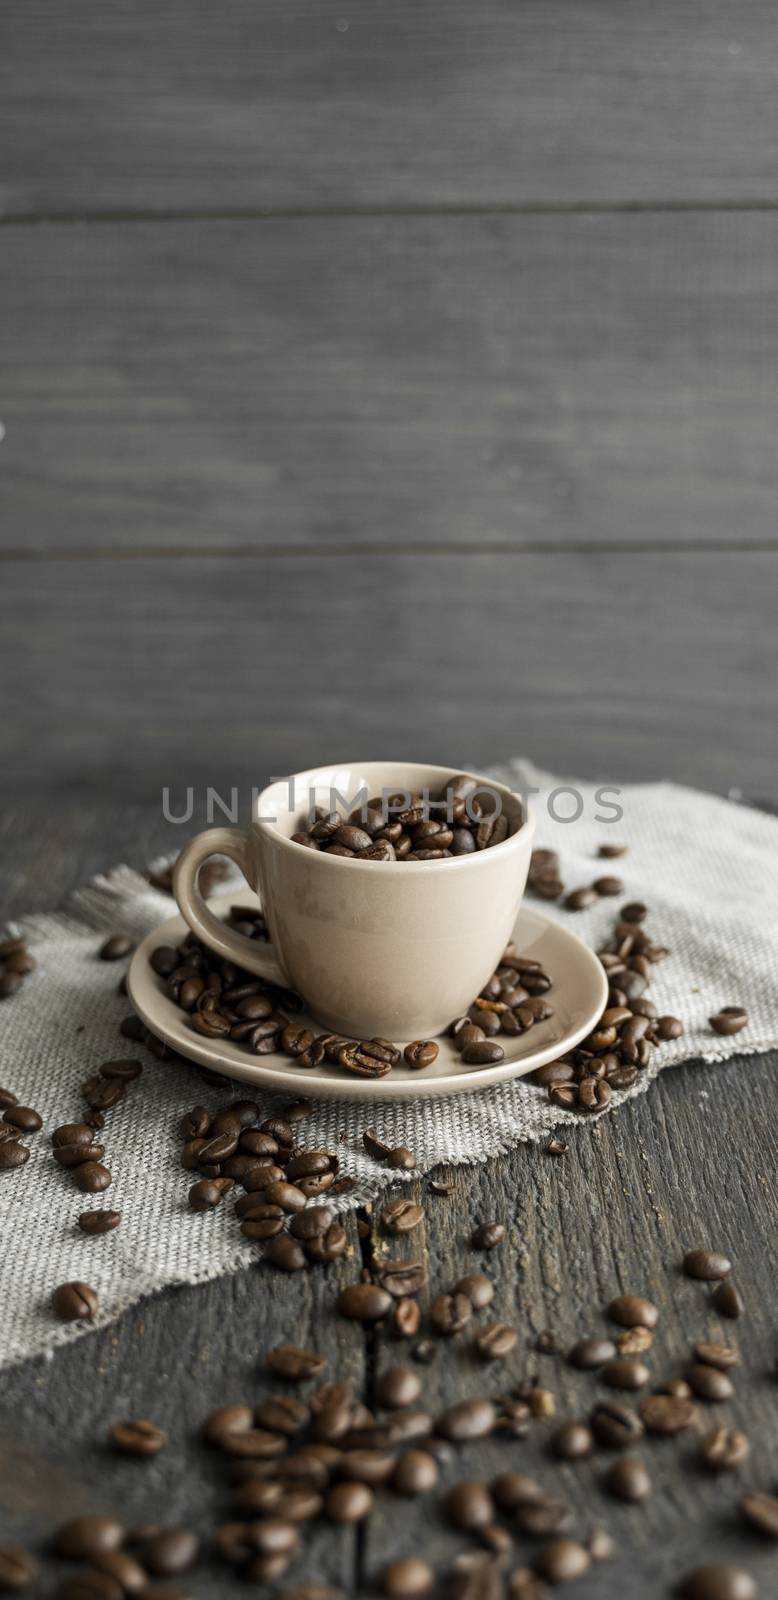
x: 388, y: 949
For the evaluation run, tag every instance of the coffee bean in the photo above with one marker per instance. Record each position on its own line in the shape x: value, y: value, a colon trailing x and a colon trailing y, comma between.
x: 615, y: 1425
x: 478, y: 1288
x: 718, y: 1583
x: 706, y: 1265
x: 483, y: 1053
x: 728, y: 1301
x: 557, y: 1147
x: 24, y: 1118
x: 563, y: 1560
x: 402, y: 1158
x: 349, y: 1502
x: 709, y: 1383
x: 328, y: 1246
x: 75, y: 1155
x: 633, y: 1311
x: 294, y: 1363
x: 634, y: 912
x: 625, y: 1373
x: 374, y: 1146
x: 470, y: 1506
x: 589, y: 1354
x: 138, y: 1438
x: 716, y: 1355
x: 12, y: 1155
x: 488, y: 1235
x: 170, y: 1551
x: 124, y: 1570
x: 667, y: 1414
x: 281, y: 1413
x: 102, y: 1093
x: 312, y: 1222
x: 406, y: 1319
x: 398, y: 1386
x: 669, y: 1028
x: 469, y: 1419
x: 450, y: 1313
x: 115, y: 948
x: 400, y: 1216
x: 227, y: 1420
x: 495, y: 1341
x: 87, y: 1538
x: 634, y: 1341
x: 286, y: 1195
x: 125, y: 1070
x: 95, y: 1222
x: 209, y: 1193
x: 573, y: 1441
x: 407, y: 1579
x: 731, y: 1019
x: 761, y: 1511
x: 285, y: 1252
x: 724, y: 1448
x: 421, y: 1053
x: 628, y: 1479
x: 71, y: 1133
x: 10, y: 984
x: 74, y: 1302
x: 580, y: 899
x: 364, y: 1302
x: 539, y: 1518
x: 91, y: 1177
x: 18, y: 1570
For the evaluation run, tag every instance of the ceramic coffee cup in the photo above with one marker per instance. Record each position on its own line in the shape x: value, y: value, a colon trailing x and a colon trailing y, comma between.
x: 389, y: 949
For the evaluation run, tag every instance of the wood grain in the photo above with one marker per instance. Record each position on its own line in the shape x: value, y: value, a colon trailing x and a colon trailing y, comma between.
x: 351, y: 383
x: 223, y: 103
x: 130, y: 676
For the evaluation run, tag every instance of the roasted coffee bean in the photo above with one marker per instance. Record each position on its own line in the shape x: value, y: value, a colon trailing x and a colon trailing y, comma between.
x: 580, y: 899
x: 589, y: 1354
x: 718, y: 1583
x: 348, y: 1502
x: 91, y: 1177
x: 761, y: 1511
x: 470, y: 1506
x: 716, y: 1355
x: 400, y: 1216
x: 227, y: 1420
x: 634, y: 1341
x: 627, y: 1479
x: 633, y: 1311
x: 208, y: 1193
x: 706, y: 1265
x: 218, y: 1147
x: 625, y: 1373
x: 406, y: 1319
x: 8, y: 1098
x: 284, y: 1252
x: 562, y: 1560
x: 593, y: 1094
x: 513, y: 1489
x: 125, y: 1070
x: 667, y: 1414
x: 124, y: 1570
x: 469, y: 1419
x: 74, y: 1302
x: 170, y: 1551
x: 724, y: 1449
x: 282, y: 1414
x: 573, y: 1441
x: 285, y: 1195
x: 421, y: 1053
x: 709, y: 1383
x: 495, y: 1341
x: 74, y: 1155
x: 18, y: 1570
x: 87, y: 1538
x: 10, y: 984
x: 539, y: 1518
x: 553, y: 1072
x: 487, y: 1235
x: 254, y: 1143
x: 450, y: 1313
x: 374, y: 1146
x: 20, y: 963
x: 25, y: 1118
x: 478, y: 1288
x: 71, y: 1133
x: 308, y: 1163
x: 557, y: 1147
x: 398, y: 1386
x: 407, y: 1579
x: 138, y: 1438
x: 668, y: 1028
x: 728, y: 1301
x: 328, y: 1246
x: 311, y: 1222
x: 414, y: 1472
x: 364, y: 1302
x: 94, y: 1222
x: 731, y: 1019
x: 402, y: 1158
x: 608, y: 886
x: 483, y: 1053
x: 12, y: 1155
x: 615, y: 1425
x: 294, y: 1363
x: 115, y: 948
x: 102, y: 1093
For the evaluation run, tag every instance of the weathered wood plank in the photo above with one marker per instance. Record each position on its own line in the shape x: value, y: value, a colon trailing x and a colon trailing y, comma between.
x: 688, y: 1164
x: 130, y: 676
x: 224, y: 103
x: 390, y: 382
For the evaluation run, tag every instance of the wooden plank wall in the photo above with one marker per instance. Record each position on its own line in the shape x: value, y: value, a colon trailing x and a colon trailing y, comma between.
x: 396, y: 380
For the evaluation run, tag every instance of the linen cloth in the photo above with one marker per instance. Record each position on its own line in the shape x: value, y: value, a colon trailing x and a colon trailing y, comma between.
x: 707, y: 869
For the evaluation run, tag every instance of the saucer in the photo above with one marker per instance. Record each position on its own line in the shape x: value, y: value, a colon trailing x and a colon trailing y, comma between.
x: 578, y: 996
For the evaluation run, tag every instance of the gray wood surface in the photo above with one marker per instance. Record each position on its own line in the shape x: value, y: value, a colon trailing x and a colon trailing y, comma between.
x: 314, y: 104
x: 691, y: 1162
x: 346, y: 383
x: 131, y: 676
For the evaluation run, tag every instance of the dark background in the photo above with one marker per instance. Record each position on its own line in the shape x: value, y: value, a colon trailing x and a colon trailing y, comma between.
x: 390, y: 379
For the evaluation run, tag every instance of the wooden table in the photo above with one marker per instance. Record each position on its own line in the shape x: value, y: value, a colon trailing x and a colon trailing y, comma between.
x: 691, y: 1162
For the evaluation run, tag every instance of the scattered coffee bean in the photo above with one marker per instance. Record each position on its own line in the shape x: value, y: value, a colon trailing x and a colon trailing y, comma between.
x: 495, y: 1341
x: 91, y: 1177
x: 588, y: 1354
x: 138, y: 1438
x: 483, y: 1053
x: 450, y: 1313
x: 74, y: 1302
x: 580, y: 899
x: 724, y: 1448
x: 487, y: 1235
x: 667, y: 1414
x: 18, y: 1569
x: 349, y: 1502
x: 573, y: 1442
x: 615, y: 1425
x: 470, y: 1506
x: 761, y: 1512
x: 408, y: 1579
x: 400, y: 1216
x: 625, y: 1373
x: 402, y: 1158
x: 628, y: 1479
x: 731, y: 1019
x: 716, y: 1355
x: 557, y: 1147
x: 718, y: 1583
x: 94, y: 1222
x: 25, y: 1118
x: 728, y: 1301
x: 709, y: 1383
x: 12, y: 1155
x: 468, y: 1419
x: 610, y: 852
x: 87, y: 1538
x: 421, y: 1053
x: 294, y: 1363
x: 706, y: 1265
x: 398, y: 1386
x: 563, y: 1560
x: 478, y: 1288
x: 364, y: 1302
x: 115, y: 948
x: 169, y: 1551
x: 633, y: 1311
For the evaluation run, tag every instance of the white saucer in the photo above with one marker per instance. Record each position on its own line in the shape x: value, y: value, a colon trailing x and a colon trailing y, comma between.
x: 578, y: 997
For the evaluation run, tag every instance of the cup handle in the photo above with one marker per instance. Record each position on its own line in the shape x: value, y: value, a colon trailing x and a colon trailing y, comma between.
x: 251, y: 954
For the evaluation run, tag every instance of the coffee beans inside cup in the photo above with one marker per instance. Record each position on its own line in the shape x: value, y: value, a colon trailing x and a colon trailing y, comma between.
x: 464, y: 817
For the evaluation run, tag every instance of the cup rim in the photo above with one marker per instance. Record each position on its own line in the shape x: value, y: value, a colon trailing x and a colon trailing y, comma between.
x: 461, y: 863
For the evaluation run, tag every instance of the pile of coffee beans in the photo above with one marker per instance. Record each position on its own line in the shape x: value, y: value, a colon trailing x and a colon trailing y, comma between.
x: 464, y: 817
x: 79, y: 1152
x: 16, y: 1124
x: 620, y: 1046
x: 16, y: 964
x: 223, y: 1001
